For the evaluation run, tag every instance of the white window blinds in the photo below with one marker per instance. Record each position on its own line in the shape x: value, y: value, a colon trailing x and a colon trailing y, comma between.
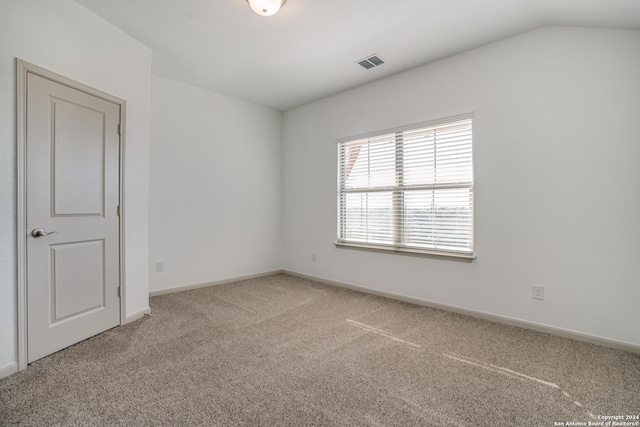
x: 409, y: 189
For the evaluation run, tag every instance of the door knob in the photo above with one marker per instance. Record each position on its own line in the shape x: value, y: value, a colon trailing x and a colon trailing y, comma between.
x: 39, y: 232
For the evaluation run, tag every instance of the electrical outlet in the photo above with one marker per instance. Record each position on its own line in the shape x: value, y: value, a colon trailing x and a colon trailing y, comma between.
x: 538, y: 292
x: 159, y: 267
x: 313, y: 256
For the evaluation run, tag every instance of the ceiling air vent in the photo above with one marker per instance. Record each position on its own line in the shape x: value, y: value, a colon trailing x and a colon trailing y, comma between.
x: 370, y: 62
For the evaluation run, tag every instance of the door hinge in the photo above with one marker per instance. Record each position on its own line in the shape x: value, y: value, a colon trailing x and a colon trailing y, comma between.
x: 119, y: 129
x: 119, y: 293
x: 118, y: 210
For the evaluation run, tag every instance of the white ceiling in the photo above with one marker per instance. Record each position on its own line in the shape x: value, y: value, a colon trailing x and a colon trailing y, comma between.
x: 309, y: 49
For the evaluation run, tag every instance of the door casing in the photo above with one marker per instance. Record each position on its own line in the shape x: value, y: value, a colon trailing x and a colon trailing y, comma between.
x: 23, y: 68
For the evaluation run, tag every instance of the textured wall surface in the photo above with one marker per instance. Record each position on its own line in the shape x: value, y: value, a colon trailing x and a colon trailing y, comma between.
x: 215, y: 200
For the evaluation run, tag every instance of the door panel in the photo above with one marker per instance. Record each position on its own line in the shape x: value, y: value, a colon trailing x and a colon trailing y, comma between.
x: 77, y: 279
x: 73, y: 275
x: 78, y: 159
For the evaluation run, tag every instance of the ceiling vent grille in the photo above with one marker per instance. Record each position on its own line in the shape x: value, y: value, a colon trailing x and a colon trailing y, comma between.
x: 370, y: 62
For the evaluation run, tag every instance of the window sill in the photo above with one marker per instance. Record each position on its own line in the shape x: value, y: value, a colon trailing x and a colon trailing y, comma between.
x: 452, y: 256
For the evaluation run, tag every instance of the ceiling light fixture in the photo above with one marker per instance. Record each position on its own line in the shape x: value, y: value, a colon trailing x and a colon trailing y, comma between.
x: 266, y: 7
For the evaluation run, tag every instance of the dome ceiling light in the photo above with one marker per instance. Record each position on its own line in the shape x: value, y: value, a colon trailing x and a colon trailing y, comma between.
x: 266, y: 7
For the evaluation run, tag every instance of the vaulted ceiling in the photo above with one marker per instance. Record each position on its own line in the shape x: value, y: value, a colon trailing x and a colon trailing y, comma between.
x: 310, y: 48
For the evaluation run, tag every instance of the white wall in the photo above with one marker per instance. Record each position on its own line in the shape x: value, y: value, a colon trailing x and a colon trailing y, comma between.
x: 557, y: 172
x: 215, y: 198
x: 64, y: 37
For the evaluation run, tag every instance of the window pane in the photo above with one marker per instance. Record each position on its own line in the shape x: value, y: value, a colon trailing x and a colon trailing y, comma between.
x: 453, y: 152
x: 419, y: 157
x: 369, y: 163
x: 439, y: 219
x: 367, y: 217
x: 438, y: 155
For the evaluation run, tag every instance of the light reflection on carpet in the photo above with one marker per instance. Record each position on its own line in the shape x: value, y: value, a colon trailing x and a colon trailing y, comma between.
x: 380, y: 332
x: 513, y: 374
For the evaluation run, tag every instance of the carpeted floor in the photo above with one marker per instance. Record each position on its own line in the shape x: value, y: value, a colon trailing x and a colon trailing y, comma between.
x: 285, y: 351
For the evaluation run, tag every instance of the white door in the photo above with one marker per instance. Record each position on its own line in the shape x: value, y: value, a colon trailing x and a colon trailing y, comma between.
x: 72, y: 216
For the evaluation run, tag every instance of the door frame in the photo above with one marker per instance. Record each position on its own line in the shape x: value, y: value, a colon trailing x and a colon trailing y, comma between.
x: 23, y: 68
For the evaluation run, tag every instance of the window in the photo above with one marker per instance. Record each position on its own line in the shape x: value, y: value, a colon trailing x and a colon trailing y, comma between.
x: 409, y: 190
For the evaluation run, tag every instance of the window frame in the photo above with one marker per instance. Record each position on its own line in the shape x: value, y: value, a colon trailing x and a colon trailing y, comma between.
x: 399, y: 191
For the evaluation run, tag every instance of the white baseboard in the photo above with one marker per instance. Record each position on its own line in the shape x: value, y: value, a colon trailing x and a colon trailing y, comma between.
x: 565, y: 333
x: 214, y: 283
x: 137, y: 315
x: 9, y: 369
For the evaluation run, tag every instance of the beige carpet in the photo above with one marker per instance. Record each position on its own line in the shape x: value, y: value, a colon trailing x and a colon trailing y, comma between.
x: 286, y: 351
